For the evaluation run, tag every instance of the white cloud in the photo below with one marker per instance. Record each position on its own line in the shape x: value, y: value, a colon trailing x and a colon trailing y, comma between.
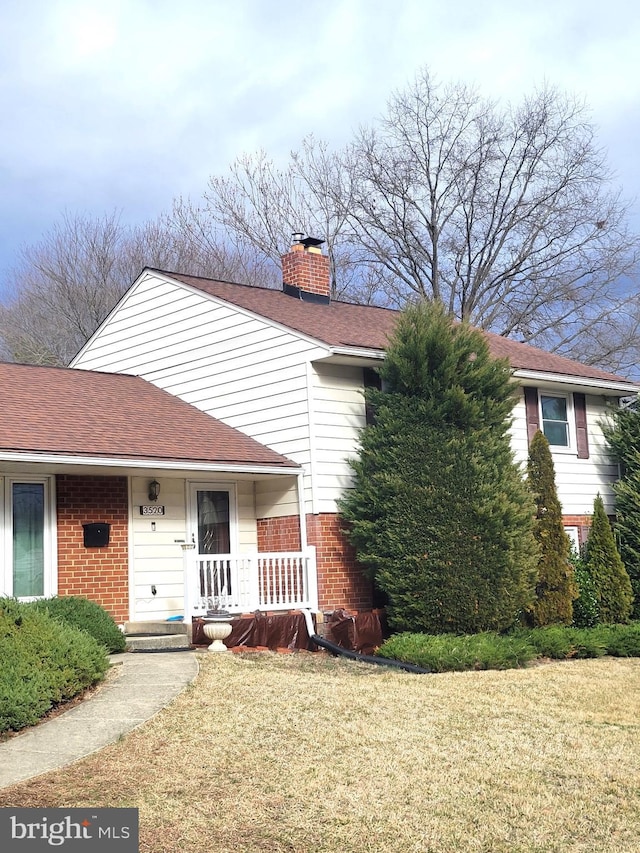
x: 129, y: 103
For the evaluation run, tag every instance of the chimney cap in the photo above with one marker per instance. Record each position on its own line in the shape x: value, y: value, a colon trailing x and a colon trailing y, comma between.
x: 307, y: 242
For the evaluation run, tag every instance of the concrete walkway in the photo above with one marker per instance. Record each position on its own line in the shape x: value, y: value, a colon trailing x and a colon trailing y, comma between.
x: 140, y: 687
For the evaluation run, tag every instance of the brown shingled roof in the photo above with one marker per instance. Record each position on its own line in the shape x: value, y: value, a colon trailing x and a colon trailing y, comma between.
x: 83, y: 413
x: 342, y: 324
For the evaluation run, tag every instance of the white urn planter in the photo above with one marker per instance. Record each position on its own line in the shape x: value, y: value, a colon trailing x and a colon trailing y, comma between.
x: 217, y: 628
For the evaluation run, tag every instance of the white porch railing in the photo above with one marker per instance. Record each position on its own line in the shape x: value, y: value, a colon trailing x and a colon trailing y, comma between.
x: 243, y: 583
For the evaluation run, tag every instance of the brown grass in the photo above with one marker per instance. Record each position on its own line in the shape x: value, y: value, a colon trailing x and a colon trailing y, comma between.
x: 305, y: 753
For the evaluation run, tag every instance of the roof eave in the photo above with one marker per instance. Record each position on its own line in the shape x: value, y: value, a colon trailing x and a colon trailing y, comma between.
x: 30, y: 456
x: 609, y: 385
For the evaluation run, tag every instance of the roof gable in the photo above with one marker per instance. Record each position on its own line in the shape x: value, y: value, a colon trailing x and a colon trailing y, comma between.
x: 82, y: 413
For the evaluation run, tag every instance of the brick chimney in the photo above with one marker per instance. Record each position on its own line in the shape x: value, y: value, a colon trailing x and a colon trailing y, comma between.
x: 305, y: 270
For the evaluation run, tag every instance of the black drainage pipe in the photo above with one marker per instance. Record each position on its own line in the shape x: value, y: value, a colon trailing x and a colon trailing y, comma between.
x: 338, y: 651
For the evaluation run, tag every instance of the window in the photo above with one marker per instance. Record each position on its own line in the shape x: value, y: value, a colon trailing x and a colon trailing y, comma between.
x: 27, y: 526
x: 561, y: 417
x: 574, y: 537
x: 555, y: 420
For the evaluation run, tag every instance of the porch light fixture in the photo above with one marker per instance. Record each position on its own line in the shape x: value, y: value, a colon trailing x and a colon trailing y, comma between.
x: 154, y: 490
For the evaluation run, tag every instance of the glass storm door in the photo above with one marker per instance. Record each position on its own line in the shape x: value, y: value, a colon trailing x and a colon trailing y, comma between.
x: 212, y: 517
x: 212, y: 522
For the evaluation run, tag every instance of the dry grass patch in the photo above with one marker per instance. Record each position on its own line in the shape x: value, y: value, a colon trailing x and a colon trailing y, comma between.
x: 307, y: 753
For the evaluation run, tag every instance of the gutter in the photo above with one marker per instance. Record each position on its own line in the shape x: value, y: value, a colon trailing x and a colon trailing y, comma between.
x: 156, y: 464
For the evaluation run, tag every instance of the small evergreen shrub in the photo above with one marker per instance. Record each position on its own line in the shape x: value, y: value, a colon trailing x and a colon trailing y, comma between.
x: 553, y: 642
x: 44, y: 662
x: 586, y: 610
x: 556, y: 586
x: 87, y: 616
x: 622, y: 641
x: 610, y: 578
x: 622, y: 432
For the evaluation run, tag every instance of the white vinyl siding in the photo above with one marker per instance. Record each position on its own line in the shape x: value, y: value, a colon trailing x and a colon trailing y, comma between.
x: 339, y: 416
x: 578, y: 481
x: 158, y: 558
x: 231, y: 364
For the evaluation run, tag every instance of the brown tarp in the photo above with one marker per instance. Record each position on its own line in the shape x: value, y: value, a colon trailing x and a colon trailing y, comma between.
x: 359, y: 632
x: 282, y: 631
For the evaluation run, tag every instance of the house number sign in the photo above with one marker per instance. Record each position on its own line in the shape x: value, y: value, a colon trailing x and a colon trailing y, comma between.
x: 152, y: 509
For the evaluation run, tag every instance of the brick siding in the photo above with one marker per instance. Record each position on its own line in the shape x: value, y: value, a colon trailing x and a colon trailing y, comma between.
x: 100, y: 574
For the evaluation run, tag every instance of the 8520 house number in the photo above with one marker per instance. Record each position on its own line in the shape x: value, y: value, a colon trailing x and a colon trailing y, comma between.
x: 154, y: 509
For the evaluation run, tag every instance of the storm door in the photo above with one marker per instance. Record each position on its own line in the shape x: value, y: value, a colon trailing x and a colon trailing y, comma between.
x: 212, y: 520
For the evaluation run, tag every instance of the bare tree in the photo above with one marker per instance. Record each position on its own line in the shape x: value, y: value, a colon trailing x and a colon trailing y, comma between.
x: 260, y: 205
x: 65, y: 286
x: 505, y: 216
x: 508, y: 216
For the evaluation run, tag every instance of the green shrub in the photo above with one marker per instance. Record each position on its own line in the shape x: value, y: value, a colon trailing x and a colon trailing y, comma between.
x: 438, y: 513
x: 556, y: 586
x: 554, y: 642
x: 44, y: 662
x: 87, y: 616
x: 622, y: 641
x: 586, y: 610
x: 612, y: 583
x: 448, y: 652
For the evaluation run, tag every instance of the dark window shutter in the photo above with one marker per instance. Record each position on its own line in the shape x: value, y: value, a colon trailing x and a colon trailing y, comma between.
x: 582, y: 439
x: 371, y: 379
x: 533, y: 414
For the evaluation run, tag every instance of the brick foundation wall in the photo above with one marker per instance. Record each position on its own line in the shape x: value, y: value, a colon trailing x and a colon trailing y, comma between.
x: 100, y: 574
x: 341, y: 582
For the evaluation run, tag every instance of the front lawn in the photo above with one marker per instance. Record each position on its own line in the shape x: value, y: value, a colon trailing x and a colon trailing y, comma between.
x: 310, y: 754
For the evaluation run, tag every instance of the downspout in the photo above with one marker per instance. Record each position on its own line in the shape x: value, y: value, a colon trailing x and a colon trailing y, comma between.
x: 302, y: 513
x: 338, y: 651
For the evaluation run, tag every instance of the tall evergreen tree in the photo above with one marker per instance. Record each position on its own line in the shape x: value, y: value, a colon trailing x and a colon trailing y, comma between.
x: 439, y: 513
x: 556, y: 587
x: 611, y: 581
x: 623, y: 437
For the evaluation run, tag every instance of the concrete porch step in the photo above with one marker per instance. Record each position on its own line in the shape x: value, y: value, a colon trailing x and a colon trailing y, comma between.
x: 156, y: 642
x: 145, y: 628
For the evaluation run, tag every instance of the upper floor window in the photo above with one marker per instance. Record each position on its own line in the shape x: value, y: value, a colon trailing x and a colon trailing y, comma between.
x: 561, y: 417
x: 555, y: 420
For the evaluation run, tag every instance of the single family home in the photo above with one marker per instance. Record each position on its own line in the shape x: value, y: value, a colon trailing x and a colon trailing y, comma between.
x: 283, y: 371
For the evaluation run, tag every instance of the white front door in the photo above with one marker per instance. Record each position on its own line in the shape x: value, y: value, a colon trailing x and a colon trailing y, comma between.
x: 29, y: 534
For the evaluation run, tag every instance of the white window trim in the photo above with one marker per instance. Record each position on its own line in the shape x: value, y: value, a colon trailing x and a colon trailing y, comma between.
x: 572, y: 448
x: 573, y: 533
x: 50, y: 534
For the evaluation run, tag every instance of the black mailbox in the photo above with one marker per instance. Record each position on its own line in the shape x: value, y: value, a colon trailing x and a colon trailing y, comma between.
x: 96, y: 534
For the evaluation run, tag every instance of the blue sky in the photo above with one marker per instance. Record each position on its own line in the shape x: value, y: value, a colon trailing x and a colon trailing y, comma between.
x: 127, y: 104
